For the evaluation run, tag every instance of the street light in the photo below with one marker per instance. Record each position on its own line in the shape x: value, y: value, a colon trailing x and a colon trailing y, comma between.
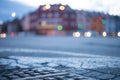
x: 76, y: 34
x: 62, y: 8
x: 118, y: 34
x: 104, y: 34
x: 13, y: 14
x: 87, y: 34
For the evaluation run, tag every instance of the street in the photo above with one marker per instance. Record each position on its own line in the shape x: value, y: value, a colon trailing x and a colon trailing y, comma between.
x: 92, y: 46
x: 90, y: 58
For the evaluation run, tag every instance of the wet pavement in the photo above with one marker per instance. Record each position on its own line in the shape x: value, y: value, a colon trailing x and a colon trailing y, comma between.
x: 60, y: 74
x: 59, y: 58
x: 13, y: 69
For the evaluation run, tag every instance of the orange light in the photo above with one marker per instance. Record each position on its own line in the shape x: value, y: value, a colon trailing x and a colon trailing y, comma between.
x: 62, y: 8
x: 76, y: 34
x: 3, y: 35
x: 46, y: 7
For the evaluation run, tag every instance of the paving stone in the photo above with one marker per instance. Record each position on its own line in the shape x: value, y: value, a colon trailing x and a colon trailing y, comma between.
x: 83, y: 71
x: 93, y: 74
x: 23, y: 75
x: 80, y: 78
x: 3, y: 78
x: 115, y: 71
x: 83, y: 74
x: 106, y: 76
x: 50, y: 78
x: 34, y: 74
x: 70, y: 75
x: 89, y: 79
x: 13, y: 77
x: 59, y: 77
x: 68, y: 79
x: 117, y: 78
x: 43, y: 73
x: 103, y: 70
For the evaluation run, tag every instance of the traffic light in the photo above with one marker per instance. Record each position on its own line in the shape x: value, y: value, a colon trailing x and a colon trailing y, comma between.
x: 102, y: 20
x: 80, y: 26
x: 59, y: 27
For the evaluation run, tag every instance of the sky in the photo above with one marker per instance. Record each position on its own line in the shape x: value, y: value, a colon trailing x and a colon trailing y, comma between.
x: 22, y: 7
x: 107, y: 6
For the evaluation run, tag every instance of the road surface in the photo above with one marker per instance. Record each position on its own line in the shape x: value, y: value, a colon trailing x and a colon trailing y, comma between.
x: 37, y: 45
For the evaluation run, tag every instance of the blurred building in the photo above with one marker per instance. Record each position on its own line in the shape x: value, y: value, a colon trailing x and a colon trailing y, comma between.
x: 110, y: 25
x: 49, y: 18
x: 61, y: 19
x: 117, y: 20
x: 14, y: 27
x: 83, y: 20
x: 96, y: 24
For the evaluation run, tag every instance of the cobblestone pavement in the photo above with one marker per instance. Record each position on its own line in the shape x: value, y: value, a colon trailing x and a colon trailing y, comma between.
x: 60, y: 73
x: 14, y: 69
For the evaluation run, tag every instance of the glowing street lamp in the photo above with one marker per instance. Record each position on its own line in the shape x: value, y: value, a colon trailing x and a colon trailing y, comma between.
x: 47, y: 6
x: 104, y: 34
x: 87, y: 34
x: 62, y: 8
x: 76, y: 34
x: 118, y: 34
x: 13, y: 14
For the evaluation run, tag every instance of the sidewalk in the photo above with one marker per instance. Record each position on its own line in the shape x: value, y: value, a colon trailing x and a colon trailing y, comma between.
x: 28, y: 68
x: 60, y: 74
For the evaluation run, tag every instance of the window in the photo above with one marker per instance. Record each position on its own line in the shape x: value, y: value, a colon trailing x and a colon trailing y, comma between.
x: 56, y: 14
x: 65, y: 15
x: 72, y: 16
x: 72, y: 24
x: 43, y: 15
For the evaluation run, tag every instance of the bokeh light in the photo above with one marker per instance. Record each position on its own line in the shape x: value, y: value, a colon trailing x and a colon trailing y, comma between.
x: 13, y: 14
x: 60, y: 27
x: 118, y: 34
x: 62, y: 8
x: 104, y: 34
x: 76, y: 34
x: 3, y: 35
x: 87, y: 34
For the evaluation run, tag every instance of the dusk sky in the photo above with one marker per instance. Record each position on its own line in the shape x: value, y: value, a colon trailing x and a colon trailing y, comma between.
x: 110, y: 6
x: 21, y: 7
